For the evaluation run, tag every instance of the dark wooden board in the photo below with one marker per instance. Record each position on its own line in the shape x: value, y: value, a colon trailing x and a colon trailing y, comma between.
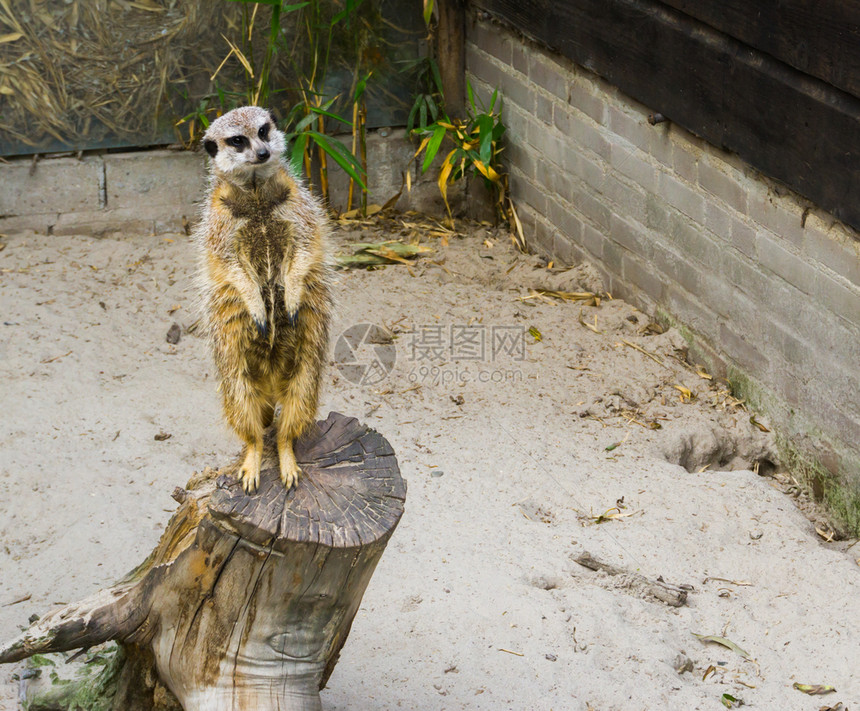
x: 818, y: 37
x: 785, y: 123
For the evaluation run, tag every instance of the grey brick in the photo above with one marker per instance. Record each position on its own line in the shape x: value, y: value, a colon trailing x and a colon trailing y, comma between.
x: 591, y: 172
x: 769, y: 212
x: 591, y: 205
x: 612, y: 256
x: 582, y: 132
x: 524, y: 190
x: 742, y: 351
x: 718, y: 221
x: 682, y: 197
x: 104, y: 222
x: 520, y: 52
x: 585, y: 97
x: 842, y: 299
x: 528, y: 219
x: 56, y: 185
x: 522, y: 156
x: 565, y: 219
x: 630, y: 235
x: 553, y: 179
x: 661, y: 144
x: 543, y: 109
x: 642, y: 276
x: 548, y: 144
x: 784, y: 263
x: 743, y: 238
x: 657, y: 215
x: 593, y: 240
x: 149, y: 181
x: 517, y: 122
x: 633, y: 164
x: 839, y: 252
x: 487, y: 36
x: 786, y: 342
x: 566, y: 250
x: 685, y: 162
x: 677, y: 269
x: 636, y: 130
x: 694, y: 241
x: 481, y: 66
x: 740, y: 272
x: 722, y: 186
x: 628, y: 198
x: 548, y: 75
x: 690, y: 310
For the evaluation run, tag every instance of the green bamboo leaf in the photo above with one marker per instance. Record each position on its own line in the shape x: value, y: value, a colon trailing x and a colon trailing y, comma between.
x: 428, y: 11
x: 340, y: 155
x: 727, y: 643
x: 322, y: 112
x: 437, y: 76
x: 433, y: 147
x: 485, y: 131
x: 298, y: 153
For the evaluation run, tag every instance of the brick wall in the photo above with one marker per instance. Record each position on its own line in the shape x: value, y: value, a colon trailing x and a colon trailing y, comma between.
x: 765, y: 286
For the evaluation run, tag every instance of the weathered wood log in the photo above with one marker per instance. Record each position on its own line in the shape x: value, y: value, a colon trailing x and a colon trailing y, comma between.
x: 247, y: 600
x: 673, y: 595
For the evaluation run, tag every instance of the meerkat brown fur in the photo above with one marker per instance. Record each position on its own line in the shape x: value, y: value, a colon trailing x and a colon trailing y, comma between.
x: 266, y: 293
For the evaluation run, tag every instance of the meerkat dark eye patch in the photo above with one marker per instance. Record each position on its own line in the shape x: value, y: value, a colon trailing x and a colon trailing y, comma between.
x: 238, y: 142
x: 211, y: 147
x: 264, y: 131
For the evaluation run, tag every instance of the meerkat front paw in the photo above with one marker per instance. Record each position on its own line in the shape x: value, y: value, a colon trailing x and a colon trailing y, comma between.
x: 292, y: 302
x: 249, y: 473
x: 290, y: 470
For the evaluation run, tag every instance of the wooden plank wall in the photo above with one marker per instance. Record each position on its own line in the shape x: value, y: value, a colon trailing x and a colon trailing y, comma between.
x: 730, y: 72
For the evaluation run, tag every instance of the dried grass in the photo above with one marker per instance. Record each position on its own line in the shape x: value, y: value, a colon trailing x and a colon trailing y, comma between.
x: 92, y: 72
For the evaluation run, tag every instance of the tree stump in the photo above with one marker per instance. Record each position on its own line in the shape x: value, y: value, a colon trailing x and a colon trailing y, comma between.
x: 245, y: 603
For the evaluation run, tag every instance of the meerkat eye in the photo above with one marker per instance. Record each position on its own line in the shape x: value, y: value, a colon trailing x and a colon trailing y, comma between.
x: 264, y: 131
x: 237, y: 141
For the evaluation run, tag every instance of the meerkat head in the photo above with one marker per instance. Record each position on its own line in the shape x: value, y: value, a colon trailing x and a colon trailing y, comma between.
x: 245, y: 144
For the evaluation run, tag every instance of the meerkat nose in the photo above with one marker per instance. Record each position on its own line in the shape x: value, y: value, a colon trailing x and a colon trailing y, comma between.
x: 263, y: 154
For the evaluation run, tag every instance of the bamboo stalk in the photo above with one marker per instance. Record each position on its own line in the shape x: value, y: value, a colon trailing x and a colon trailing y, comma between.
x: 323, y: 161
x: 354, y: 146
x: 362, y: 123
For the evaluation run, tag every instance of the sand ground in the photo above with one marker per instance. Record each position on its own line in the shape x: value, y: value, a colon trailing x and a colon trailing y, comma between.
x: 513, y: 444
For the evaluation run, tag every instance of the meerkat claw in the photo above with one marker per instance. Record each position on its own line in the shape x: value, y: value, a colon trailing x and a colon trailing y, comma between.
x: 250, y: 482
x: 249, y: 474
x: 291, y: 477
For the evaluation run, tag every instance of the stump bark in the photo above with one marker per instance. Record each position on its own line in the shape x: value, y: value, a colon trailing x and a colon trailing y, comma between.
x: 246, y: 601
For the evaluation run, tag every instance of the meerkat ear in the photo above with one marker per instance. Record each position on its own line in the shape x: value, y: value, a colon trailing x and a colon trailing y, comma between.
x: 273, y: 118
x: 211, y: 147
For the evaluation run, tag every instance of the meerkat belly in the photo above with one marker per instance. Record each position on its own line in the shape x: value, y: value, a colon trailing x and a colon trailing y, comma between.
x: 266, y: 245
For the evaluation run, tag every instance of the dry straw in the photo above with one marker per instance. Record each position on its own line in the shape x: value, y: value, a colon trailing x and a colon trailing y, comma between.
x: 87, y: 73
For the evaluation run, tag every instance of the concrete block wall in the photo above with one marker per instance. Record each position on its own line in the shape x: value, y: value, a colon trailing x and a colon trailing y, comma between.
x: 765, y: 285
x: 145, y: 191
x: 155, y: 191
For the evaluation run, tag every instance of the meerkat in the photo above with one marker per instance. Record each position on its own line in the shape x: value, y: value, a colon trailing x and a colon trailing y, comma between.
x: 265, y: 287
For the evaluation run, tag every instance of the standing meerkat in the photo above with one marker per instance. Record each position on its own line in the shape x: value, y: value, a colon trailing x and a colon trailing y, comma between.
x: 265, y: 283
